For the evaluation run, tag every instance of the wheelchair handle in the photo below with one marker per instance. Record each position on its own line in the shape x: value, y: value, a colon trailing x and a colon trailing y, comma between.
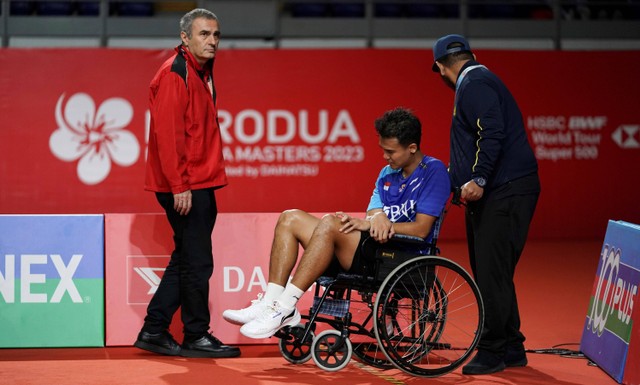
x: 456, y: 198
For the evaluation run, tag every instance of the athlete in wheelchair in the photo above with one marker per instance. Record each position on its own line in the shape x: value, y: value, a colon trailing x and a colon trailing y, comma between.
x: 413, y: 310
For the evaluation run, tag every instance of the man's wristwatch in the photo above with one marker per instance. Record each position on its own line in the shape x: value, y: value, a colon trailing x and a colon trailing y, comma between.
x: 480, y: 181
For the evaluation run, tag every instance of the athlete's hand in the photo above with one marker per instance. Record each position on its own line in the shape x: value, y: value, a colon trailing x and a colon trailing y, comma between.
x: 350, y: 223
x: 381, y: 227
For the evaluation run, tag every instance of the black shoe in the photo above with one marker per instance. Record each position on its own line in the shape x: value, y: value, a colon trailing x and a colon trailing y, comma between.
x: 161, y: 343
x: 515, y: 357
x: 208, y: 346
x: 484, y: 363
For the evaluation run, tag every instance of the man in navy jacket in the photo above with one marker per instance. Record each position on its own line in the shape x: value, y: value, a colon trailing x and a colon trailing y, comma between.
x: 493, y: 164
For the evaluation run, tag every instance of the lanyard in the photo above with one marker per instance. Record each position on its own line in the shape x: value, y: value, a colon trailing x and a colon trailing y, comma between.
x: 464, y: 73
x: 459, y: 81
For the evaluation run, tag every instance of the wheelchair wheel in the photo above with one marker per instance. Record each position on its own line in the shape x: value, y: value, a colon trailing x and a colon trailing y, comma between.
x: 437, y: 316
x: 362, y: 336
x: 330, y: 351
x: 371, y: 354
x: 293, y: 348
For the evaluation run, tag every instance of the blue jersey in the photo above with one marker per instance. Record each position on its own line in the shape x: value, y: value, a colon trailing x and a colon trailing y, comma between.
x: 425, y: 191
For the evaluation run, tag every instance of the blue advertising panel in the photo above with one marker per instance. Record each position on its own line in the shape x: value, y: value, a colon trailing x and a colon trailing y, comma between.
x: 51, y: 280
x: 609, y: 323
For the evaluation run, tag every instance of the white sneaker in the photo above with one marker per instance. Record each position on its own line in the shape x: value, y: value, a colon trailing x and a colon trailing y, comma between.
x: 273, y: 318
x: 242, y: 316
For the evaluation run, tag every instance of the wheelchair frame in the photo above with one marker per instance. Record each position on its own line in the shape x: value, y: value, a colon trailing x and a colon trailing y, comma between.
x: 423, y: 314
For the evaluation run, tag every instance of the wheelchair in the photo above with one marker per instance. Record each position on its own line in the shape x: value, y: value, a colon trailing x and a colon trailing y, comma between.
x: 422, y: 314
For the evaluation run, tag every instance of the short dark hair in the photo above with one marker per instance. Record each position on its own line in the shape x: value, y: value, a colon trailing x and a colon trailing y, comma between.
x: 455, y: 57
x: 402, y: 124
x: 189, y: 17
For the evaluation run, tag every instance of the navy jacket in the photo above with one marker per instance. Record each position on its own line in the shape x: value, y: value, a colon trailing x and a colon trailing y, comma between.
x: 488, y: 137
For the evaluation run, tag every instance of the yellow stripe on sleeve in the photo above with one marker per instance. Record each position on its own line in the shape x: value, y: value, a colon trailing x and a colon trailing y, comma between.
x: 477, y: 145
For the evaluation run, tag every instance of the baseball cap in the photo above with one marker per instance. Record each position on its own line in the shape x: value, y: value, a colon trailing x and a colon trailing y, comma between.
x: 440, y: 48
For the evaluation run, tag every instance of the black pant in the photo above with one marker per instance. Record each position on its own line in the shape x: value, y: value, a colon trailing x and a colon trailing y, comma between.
x: 185, y: 282
x: 496, y: 235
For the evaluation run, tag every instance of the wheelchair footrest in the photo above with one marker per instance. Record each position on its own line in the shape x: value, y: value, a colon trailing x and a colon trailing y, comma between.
x: 331, y: 306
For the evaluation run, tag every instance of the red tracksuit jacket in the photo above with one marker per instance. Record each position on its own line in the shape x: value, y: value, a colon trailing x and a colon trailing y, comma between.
x: 185, y: 148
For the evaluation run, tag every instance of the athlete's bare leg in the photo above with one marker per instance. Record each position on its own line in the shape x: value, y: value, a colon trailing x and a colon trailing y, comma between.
x: 325, y: 243
x: 294, y: 228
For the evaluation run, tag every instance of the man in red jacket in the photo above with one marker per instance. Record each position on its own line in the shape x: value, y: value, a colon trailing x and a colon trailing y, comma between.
x: 184, y: 168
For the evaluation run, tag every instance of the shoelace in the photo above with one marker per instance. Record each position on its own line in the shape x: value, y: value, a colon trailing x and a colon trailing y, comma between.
x: 270, y: 310
x: 211, y: 337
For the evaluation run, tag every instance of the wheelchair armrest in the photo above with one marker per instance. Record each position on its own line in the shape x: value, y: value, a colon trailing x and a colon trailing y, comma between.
x: 408, y: 239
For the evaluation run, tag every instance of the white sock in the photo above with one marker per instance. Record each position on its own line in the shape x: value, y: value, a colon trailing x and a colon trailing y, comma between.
x: 290, y: 296
x: 273, y: 291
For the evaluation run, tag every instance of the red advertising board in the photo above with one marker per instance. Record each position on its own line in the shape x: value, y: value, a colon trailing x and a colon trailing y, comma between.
x: 297, y: 127
x: 138, y: 248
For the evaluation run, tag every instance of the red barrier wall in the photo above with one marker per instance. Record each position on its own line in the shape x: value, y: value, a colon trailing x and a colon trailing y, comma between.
x: 298, y: 129
x: 138, y: 248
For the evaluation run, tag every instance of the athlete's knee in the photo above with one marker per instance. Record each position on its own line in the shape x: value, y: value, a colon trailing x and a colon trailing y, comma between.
x: 289, y: 219
x: 328, y: 224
